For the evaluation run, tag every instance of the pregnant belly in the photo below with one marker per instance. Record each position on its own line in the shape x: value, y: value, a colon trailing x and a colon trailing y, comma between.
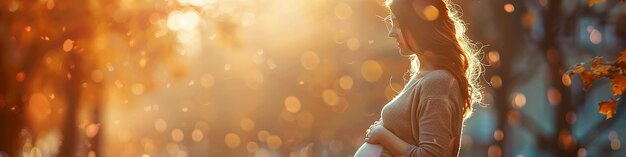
x: 369, y: 150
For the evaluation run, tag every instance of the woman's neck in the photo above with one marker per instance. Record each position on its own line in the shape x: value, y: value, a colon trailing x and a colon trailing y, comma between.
x: 425, y: 65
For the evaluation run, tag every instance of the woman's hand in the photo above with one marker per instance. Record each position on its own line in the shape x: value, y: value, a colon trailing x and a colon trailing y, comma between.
x: 373, y: 133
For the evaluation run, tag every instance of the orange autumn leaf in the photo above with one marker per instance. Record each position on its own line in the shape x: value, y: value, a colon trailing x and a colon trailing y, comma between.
x: 607, y: 108
x: 588, y: 78
x: 578, y: 70
x: 601, y: 70
x: 597, y: 61
x: 615, y: 71
x: 622, y: 57
x: 618, y: 84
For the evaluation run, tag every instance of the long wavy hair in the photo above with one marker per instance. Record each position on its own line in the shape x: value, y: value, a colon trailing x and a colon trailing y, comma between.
x: 435, y: 26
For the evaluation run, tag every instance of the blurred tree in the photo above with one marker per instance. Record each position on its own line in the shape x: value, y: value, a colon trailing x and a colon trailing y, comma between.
x: 62, y: 49
x: 547, y: 30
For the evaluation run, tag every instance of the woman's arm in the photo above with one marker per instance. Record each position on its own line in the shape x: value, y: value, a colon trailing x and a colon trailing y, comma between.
x: 435, y: 135
x: 380, y: 135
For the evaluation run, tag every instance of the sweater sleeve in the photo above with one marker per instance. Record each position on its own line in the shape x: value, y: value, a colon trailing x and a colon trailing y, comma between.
x: 435, y: 116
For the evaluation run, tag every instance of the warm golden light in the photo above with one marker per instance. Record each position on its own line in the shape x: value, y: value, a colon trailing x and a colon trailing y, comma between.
x: 498, y: 135
x: 595, y: 36
x: 509, y: 8
x: 275, y: 78
x: 262, y: 135
x: 309, y: 60
x: 138, y: 89
x: 246, y: 124
x: 496, y: 81
x: 38, y: 107
x: 177, y: 135
x: 330, y: 97
x: 430, y: 13
x: 68, y: 45
x: 207, y: 80
x: 232, y: 140
x: 567, y: 80
x: 252, y: 147
x: 292, y: 104
x: 343, y: 11
x: 97, y: 76
x: 346, y: 82
x: 519, y: 100
x: 494, y: 58
x: 197, y: 135
x: 274, y: 142
x: 554, y: 96
x: 353, y: 44
x: 371, y: 71
x: 160, y: 125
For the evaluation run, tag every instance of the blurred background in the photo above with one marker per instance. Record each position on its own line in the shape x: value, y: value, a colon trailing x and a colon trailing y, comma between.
x: 287, y: 77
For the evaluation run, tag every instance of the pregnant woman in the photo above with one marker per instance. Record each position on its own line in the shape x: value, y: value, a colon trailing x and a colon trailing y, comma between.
x: 426, y: 118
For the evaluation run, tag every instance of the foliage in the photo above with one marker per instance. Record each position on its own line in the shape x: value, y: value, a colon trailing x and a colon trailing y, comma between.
x: 615, y: 71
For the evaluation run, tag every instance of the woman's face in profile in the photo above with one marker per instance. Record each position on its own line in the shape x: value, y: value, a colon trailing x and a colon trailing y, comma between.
x: 395, y: 32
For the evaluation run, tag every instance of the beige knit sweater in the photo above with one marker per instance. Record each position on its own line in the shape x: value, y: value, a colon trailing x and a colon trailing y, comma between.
x: 428, y: 115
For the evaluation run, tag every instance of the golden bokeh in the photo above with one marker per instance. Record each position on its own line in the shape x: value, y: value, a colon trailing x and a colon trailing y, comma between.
x: 430, y: 13
x: 346, y: 82
x: 309, y: 60
x: 246, y: 124
x: 270, y: 78
x: 554, y: 96
x: 498, y: 135
x: 232, y: 140
x: 509, y: 8
x: 178, y: 135
x: 519, y: 100
x: 68, y: 45
x: 262, y: 135
x: 595, y: 36
x: 252, y: 147
x: 353, y: 44
x: 20, y: 76
x: 371, y: 71
x: 91, y: 130
x: 38, y: 108
x: 292, y: 104
x: 343, y: 11
x: 274, y: 142
x: 160, y: 125
x: 494, y: 58
x: 197, y: 135
x: 496, y: 81
x: 566, y: 79
x: 330, y: 97
x: 13, y: 6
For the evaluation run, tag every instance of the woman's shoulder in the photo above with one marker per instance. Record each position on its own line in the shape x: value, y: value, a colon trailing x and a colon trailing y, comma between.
x: 437, y: 82
x: 437, y: 76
